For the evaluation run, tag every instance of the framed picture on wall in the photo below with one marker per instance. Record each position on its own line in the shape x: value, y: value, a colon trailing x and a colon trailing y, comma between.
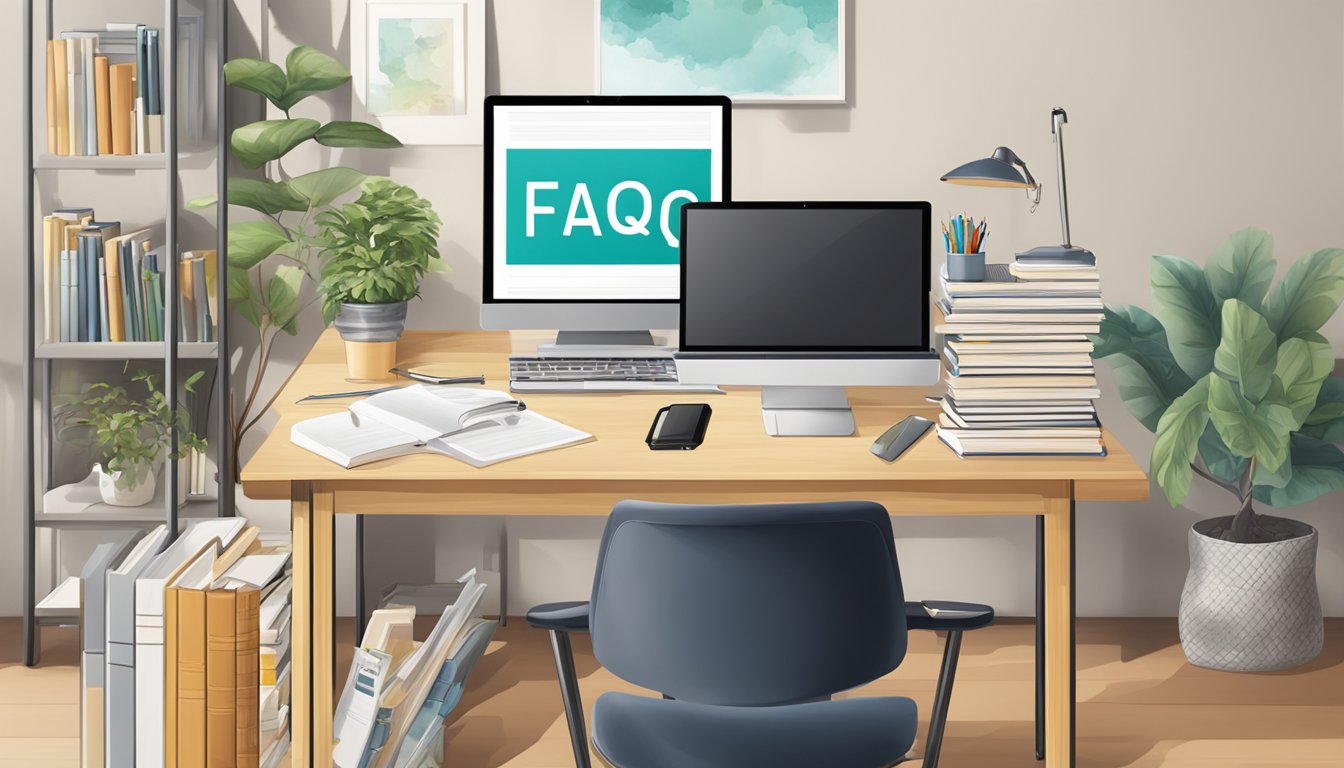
x: 418, y: 68
x: 765, y: 52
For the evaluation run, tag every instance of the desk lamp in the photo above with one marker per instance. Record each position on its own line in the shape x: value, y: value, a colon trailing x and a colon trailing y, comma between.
x: 1001, y: 170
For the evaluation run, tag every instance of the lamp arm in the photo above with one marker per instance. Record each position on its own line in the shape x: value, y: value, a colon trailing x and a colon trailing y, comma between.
x: 1007, y: 155
x: 1058, y: 117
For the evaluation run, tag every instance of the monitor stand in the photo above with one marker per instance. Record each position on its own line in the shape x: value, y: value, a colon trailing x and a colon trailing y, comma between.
x: 605, y: 344
x: 806, y: 411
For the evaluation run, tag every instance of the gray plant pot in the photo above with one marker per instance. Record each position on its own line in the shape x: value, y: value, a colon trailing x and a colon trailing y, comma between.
x: 1251, y: 607
x: 371, y: 322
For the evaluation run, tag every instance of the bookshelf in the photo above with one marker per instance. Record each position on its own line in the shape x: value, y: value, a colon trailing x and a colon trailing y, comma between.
x: 55, y: 180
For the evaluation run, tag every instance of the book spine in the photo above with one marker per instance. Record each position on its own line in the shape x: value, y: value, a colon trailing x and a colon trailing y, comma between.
x: 248, y: 742
x: 221, y: 679
x: 154, y: 88
x: 61, y: 95
x: 128, y: 292
x: 171, y: 682
x: 121, y: 98
x: 81, y: 286
x: 65, y: 295
x: 156, y: 306
x: 90, y: 109
x: 51, y: 97
x: 90, y: 278
x: 74, y: 98
x: 104, y: 324
x: 102, y: 104
x: 191, y: 679
x: 204, y: 331
x: 116, y: 321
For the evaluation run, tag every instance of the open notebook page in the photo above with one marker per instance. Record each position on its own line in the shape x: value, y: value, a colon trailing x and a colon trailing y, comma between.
x: 349, y: 440
x: 428, y: 411
x: 515, y: 435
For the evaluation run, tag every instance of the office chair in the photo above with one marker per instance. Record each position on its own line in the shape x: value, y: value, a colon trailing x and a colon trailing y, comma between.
x: 747, y: 618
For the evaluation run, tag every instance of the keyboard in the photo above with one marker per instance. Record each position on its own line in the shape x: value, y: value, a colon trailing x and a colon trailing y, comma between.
x: 594, y: 374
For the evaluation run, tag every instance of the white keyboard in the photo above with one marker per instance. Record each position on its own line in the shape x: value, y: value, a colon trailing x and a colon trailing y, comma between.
x: 593, y: 374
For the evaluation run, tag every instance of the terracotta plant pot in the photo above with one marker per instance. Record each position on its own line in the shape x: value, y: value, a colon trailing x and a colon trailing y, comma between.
x: 371, y: 332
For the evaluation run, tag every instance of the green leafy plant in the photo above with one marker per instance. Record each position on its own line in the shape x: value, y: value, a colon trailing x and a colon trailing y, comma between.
x: 270, y: 258
x: 1234, y: 377
x: 130, y: 434
x: 377, y: 247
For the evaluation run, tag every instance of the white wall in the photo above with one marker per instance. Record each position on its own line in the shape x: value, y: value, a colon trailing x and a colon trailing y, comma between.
x: 1189, y: 120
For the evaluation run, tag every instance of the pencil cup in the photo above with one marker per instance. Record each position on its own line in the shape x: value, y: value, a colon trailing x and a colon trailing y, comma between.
x: 370, y: 360
x: 966, y: 267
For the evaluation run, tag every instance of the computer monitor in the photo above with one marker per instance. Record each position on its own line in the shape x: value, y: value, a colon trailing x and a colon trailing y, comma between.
x: 582, y: 209
x: 804, y: 299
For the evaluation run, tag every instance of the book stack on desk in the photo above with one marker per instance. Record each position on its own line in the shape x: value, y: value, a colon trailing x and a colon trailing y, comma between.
x: 1018, y: 361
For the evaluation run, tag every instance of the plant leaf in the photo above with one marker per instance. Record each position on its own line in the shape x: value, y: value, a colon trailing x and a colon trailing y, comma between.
x: 258, y: 143
x: 1318, y: 468
x: 202, y: 202
x: 1147, y: 374
x: 257, y: 76
x: 1245, y: 356
x: 344, y: 133
x: 320, y: 188
x: 250, y: 242
x: 1308, y: 295
x: 1302, y: 368
x: 1223, y: 463
x: 1178, y: 433
x: 1326, y: 421
x: 1186, y: 306
x: 282, y: 297
x: 310, y: 71
x: 1242, y: 267
x: 1252, y: 430
x: 264, y: 195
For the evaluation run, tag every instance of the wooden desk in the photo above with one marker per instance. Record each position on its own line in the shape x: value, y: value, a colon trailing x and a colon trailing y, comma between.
x: 738, y: 463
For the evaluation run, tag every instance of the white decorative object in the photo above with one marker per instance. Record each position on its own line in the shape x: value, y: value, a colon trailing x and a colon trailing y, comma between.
x: 418, y: 68
x: 137, y: 495
x: 1251, y: 607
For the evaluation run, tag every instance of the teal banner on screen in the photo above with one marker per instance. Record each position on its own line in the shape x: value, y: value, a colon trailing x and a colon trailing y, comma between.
x: 600, y: 206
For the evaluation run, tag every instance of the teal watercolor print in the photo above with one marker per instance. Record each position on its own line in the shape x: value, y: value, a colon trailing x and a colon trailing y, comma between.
x: 763, y: 50
x: 412, y: 73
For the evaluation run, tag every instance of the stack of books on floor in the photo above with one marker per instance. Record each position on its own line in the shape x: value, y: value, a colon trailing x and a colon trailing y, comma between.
x: 1018, y: 361
x: 104, y: 92
x: 103, y: 285
x: 172, y: 641
x: 398, y: 692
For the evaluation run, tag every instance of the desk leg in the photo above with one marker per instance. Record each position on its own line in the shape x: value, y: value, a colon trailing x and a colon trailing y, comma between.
x: 301, y: 627
x: 1040, y: 637
x: 324, y: 645
x: 1060, y: 701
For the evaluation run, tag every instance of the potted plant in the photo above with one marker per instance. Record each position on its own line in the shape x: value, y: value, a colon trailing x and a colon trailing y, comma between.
x: 376, y: 251
x: 272, y: 254
x: 131, y: 436
x: 1235, y: 380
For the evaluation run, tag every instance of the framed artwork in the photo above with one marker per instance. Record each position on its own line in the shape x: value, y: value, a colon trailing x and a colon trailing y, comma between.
x: 755, y: 51
x: 418, y: 68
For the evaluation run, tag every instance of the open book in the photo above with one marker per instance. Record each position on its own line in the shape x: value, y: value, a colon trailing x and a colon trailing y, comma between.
x: 477, y: 426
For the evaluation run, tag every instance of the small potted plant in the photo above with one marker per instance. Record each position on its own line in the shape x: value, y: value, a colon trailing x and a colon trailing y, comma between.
x: 131, y: 436
x: 376, y: 250
x: 1235, y: 380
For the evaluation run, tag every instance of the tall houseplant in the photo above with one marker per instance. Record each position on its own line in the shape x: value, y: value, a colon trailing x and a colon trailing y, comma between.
x: 1235, y: 380
x: 271, y: 257
x: 376, y: 250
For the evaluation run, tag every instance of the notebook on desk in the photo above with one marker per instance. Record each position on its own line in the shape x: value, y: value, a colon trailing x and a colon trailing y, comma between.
x: 476, y: 426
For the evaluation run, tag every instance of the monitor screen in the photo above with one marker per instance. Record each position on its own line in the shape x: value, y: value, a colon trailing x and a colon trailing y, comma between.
x: 840, y: 277
x: 584, y: 194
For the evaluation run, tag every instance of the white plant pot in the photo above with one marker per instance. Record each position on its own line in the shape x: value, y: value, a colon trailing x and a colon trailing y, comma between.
x: 136, y: 496
x: 1251, y: 607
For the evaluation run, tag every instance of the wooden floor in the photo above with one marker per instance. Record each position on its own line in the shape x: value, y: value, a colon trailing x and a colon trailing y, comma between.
x: 1140, y: 704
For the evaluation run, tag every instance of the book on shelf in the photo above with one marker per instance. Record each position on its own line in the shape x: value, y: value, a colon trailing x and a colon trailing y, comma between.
x: 100, y: 83
x: 477, y: 426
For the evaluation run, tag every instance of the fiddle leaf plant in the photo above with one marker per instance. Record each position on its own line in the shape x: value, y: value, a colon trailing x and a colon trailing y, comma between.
x: 129, y: 434
x: 271, y: 257
x: 377, y: 247
x: 1234, y: 377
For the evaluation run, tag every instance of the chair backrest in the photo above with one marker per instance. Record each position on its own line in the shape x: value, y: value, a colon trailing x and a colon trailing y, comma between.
x: 748, y: 604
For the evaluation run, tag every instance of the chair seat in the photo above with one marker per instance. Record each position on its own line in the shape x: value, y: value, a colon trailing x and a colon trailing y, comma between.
x: 918, y: 618
x: 567, y: 616
x: 640, y: 732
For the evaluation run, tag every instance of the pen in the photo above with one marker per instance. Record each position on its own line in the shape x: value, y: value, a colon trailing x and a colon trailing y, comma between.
x: 360, y: 393
x: 426, y: 378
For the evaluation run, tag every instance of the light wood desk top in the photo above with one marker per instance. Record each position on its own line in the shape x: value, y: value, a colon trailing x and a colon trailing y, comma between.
x: 737, y: 449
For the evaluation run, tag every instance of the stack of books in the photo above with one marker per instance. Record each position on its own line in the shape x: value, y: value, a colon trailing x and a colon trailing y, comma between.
x: 1018, y: 361
x: 104, y: 92
x: 105, y: 285
x: 274, y: 623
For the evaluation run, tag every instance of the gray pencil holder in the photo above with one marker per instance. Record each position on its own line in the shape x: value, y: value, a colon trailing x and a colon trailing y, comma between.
x: 966, y: 267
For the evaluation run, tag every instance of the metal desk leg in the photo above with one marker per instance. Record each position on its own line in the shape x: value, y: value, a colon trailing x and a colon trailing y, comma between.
x: 360, y: 616
x: 1040, y: 637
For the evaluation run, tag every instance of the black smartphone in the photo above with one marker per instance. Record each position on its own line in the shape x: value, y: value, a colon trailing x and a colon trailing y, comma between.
x: 679, y: 427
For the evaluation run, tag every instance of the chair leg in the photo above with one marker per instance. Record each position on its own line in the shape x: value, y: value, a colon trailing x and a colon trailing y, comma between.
x: 569, y: 691
x: 942, y: 698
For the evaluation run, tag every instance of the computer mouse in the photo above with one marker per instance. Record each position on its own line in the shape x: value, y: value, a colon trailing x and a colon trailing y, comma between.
x: 896, y: 440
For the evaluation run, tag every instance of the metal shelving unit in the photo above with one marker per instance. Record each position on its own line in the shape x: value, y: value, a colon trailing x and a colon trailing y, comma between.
x: 41, y: 356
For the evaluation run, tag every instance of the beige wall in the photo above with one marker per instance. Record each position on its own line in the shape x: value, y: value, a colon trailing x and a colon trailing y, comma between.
x: 1189, y: 120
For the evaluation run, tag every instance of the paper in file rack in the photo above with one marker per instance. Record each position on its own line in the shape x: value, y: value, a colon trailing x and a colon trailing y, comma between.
x: 119, y: 651
x: 93, y: 639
